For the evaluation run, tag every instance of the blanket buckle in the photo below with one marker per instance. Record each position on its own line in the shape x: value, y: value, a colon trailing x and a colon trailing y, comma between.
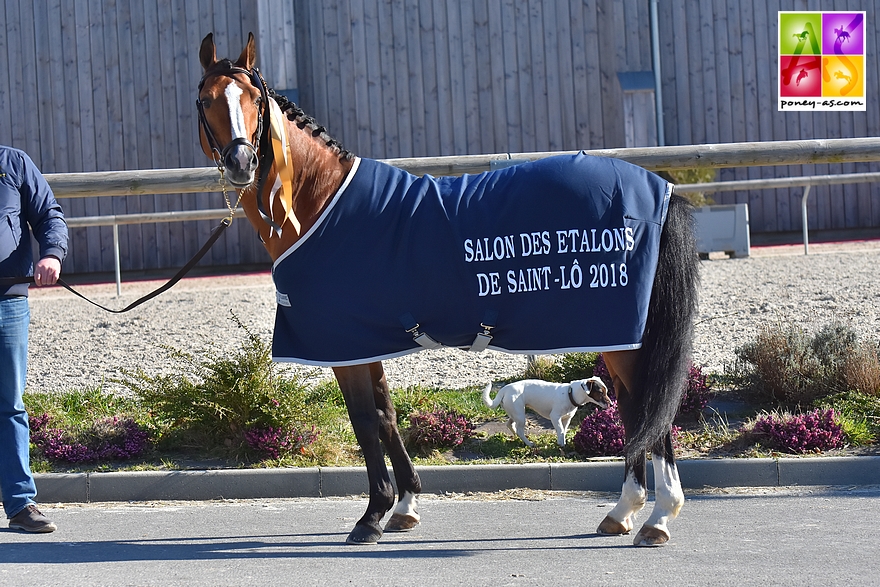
x: 420, y: 338
x: 482, y: 340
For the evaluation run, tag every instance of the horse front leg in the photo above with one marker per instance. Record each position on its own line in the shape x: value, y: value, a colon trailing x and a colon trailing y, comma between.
x: 358, y: 388
x: 405, y: 516
x: 669, y: 497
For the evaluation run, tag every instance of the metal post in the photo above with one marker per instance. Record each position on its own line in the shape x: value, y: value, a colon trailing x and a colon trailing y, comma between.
x: 116, y: 259
x: 658, y: 89
x: 804, y: 218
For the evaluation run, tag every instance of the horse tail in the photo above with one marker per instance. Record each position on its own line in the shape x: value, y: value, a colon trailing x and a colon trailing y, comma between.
x: 668, y: 339
x: 490, y: 403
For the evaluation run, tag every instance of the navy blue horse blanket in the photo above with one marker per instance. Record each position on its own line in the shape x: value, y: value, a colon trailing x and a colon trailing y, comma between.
x: 551, y: 256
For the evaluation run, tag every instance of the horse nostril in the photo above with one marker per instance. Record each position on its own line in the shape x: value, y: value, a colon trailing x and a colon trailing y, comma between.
x: 240, y: 159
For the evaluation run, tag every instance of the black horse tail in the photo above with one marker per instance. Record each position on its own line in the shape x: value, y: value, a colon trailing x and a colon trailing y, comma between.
x: 668, y: 340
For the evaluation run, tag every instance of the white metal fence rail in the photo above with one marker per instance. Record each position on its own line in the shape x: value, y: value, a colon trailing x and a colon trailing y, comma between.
x: 806, y: 181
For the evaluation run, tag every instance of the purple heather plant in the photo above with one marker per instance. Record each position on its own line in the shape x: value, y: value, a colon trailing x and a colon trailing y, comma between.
x: 601, y: 434
x: 276, y: 441
x: 601, y: 371
x: 439, y: 429
x: 697, y: 394
x: 114, y: 438
x: 815, y: 431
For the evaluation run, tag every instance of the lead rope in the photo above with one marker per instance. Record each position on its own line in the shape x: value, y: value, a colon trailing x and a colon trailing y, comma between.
x: 223, y: 186
x: 224, y: 224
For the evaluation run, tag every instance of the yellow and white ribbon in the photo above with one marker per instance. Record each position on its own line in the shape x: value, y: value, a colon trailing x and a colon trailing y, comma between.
x: 283, y: 188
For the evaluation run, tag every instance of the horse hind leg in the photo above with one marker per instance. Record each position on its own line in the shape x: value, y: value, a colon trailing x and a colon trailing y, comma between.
x: 621, y: 519
x: 669, y: 496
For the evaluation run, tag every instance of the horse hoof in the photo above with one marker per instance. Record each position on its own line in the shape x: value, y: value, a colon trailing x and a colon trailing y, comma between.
x: 364, y: 534
x: 651, y: 536
x: 612, y: 527
x: 401, y: 523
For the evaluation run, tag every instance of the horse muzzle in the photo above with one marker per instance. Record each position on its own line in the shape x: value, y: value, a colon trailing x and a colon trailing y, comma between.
x: 240, y: 160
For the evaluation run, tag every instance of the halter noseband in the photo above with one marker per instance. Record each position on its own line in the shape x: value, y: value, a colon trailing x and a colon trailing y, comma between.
x: 261, y: 134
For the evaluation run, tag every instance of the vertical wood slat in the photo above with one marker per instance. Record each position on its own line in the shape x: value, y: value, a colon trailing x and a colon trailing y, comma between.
x: 397, y: 23
x: 389, y: 96
x: 414, y: 77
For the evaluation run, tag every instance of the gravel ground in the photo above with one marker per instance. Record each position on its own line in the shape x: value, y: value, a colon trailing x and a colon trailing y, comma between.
x: 75, y: 345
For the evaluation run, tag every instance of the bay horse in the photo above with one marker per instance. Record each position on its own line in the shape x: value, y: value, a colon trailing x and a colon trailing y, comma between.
x: 295, y: 181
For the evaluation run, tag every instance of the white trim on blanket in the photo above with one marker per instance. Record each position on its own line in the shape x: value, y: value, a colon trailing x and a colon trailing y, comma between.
x: 559, y: 351
x: 322, y: 217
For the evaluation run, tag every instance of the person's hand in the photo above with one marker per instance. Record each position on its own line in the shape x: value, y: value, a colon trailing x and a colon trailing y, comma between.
x: 46, y: 271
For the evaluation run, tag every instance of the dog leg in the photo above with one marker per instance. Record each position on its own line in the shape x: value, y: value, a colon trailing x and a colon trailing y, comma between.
x: 560, y: 427
x: 519, y: 428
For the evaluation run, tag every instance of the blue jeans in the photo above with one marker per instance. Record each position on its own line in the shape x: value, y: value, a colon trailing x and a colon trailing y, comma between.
x: 16, y: 481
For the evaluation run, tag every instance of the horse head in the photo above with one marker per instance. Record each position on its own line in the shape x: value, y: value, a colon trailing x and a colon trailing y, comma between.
x: 232, y: 104
x: 266, y: 147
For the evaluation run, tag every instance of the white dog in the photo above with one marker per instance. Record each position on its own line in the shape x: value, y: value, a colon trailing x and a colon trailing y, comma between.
x: 556, y: 401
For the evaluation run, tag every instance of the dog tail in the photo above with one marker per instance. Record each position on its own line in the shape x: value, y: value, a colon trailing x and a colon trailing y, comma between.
x: 668, y: 339
x: 490, y: 403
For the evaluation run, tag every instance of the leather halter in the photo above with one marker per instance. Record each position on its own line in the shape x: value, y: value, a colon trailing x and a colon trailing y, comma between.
x: 261, y: 134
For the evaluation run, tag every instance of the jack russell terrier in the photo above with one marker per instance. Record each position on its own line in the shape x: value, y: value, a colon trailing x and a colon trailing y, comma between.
x: 556, y: 401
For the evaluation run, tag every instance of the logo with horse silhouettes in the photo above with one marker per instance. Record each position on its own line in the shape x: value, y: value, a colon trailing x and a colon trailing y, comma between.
x: 822, y: 61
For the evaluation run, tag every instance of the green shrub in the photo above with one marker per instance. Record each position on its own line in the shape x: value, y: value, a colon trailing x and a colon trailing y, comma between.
x: 858, y: 414
x: 696, y: 175
x: 214, y: 401
x: 787, y: 365
x: 430, y: 431
x: 568, y: 367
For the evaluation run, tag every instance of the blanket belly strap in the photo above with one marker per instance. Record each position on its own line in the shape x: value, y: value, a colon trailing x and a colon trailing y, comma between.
x: 412, y: 327
x: 481, y: 342
x: 424, y: 340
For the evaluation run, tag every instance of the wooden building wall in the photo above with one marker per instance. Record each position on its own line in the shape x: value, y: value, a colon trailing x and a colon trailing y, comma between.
x: 101, y: 85
x: 96, y: 85
x: 720, y: 84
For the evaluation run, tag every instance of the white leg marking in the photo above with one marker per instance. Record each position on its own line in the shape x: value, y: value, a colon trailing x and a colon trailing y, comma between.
x: 632, y: 499
x: 407, y: 505
x: 668, y: 494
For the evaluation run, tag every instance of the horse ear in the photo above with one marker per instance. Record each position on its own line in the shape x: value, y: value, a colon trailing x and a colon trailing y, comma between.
x: 208, y: 52
x: 248, y: 56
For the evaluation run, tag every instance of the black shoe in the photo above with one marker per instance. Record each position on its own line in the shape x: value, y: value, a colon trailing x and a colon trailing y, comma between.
x: 30, y: 519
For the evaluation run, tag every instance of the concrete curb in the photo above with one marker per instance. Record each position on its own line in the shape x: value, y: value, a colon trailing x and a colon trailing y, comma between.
x: 343, y: 481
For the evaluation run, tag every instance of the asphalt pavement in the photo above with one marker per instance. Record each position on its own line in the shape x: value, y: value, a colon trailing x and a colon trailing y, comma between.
x: 747, y: 536
x: 788, y: 521
x: 599, y: 475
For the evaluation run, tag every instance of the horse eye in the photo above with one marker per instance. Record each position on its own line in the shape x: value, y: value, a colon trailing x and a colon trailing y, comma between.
x: 206, y: 102
x: 258, y: 102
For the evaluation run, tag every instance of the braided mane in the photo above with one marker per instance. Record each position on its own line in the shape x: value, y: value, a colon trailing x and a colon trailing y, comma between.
x: 304, y: 121
x: 293, y: 112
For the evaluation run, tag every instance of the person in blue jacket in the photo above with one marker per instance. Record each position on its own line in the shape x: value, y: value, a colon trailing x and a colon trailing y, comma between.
x: 26, y: 200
